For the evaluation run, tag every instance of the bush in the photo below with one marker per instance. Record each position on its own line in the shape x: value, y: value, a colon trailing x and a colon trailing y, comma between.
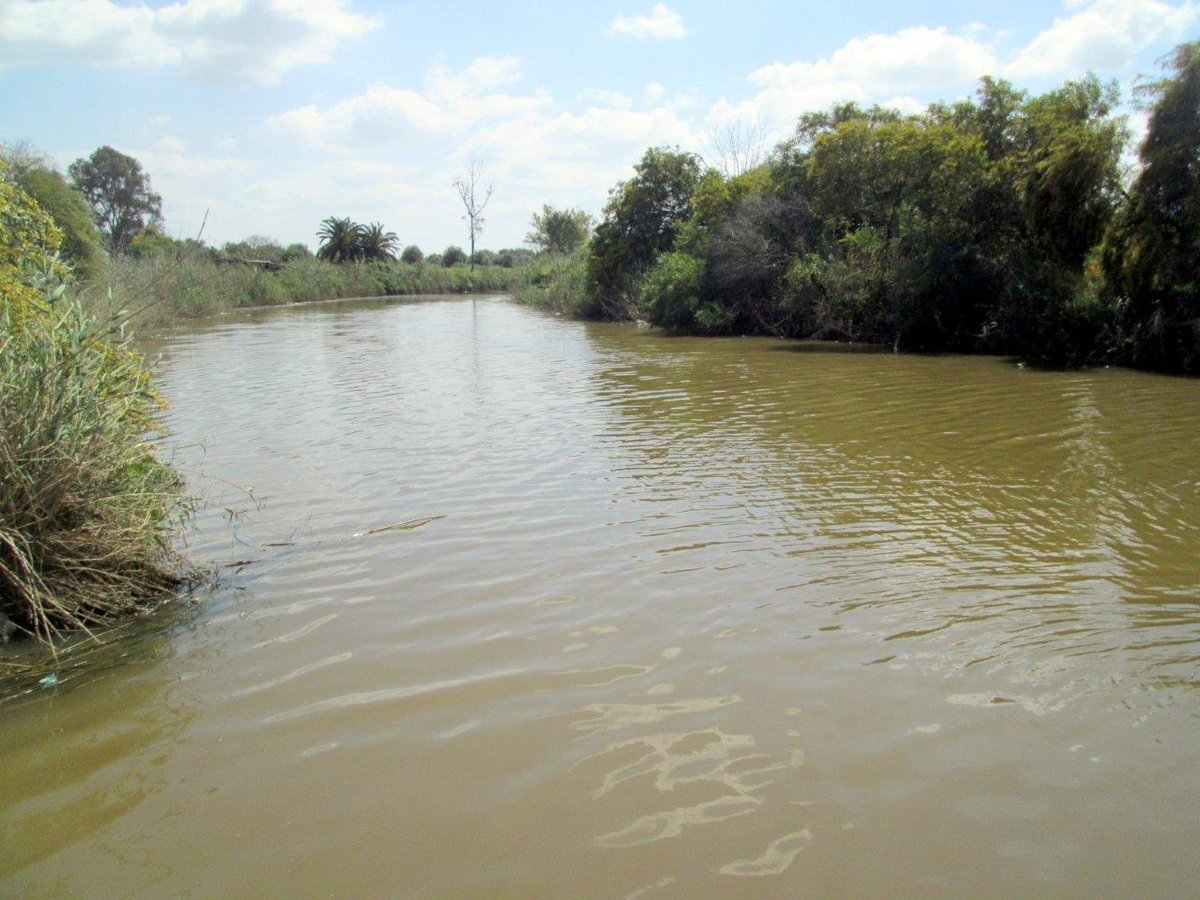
x: 86, y: 504
x: 672, y: 295
x: 558, y: 284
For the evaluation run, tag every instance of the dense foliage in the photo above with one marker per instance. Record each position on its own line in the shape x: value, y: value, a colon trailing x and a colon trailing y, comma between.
x: 996, y: 224
x: 1153, y: 255
x: 82, y: 247
x: 558, y: 230
x: 119, y: 193
x: 86, y: 504
x: 639, y: 223
x: 343, y: 240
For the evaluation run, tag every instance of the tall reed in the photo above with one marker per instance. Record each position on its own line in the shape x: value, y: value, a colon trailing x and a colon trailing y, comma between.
x: 87, y: 502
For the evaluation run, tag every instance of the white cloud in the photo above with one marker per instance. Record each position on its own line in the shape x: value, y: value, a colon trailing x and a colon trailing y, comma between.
x: 170, y: 161
x: 171, y: 143
x: 450, y: 102
x: 606, y: 98
x: 1103, y: 35
x: 224, y: 41
x: 662, y: 23
x: 911, y: 59
x: 890, y: 69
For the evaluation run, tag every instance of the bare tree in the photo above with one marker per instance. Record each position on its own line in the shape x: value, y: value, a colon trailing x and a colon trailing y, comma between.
x: 739, y: 145
x: 475, y: 190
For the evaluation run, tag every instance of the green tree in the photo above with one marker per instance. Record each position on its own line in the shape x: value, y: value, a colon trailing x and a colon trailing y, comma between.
x: 558, y: 230
x: 340, y: 240
x: 672, y: 295
x: 640, y: 221
x: 119, y: 193
x: 152, y: 241
x: 376, y: 244
x: 1152, y: 257
x: 256, y: 247
x: 412, y: 254
x: 453, y: 256
x: 37, y: 177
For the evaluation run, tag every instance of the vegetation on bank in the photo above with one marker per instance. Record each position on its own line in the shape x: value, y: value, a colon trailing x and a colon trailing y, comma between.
x: 87, y: 505
x: 999, y: 224
x: 186, y: 283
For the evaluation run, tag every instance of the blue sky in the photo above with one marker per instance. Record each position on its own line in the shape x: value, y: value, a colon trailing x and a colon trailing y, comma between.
x: 273, y: 114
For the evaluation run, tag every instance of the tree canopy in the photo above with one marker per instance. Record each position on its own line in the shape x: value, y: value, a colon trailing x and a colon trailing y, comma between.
x: 344, y: 240
x: 639, y: 222
x: 37, y: 177
x: 1153, y: 256
x: 339, y: 239
x: 119, y: 194
x: 559, y: 230
x: 974, y: 227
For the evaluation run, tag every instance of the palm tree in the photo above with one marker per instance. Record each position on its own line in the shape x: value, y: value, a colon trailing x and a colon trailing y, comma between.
x: 376, y: 244
x: 341, y: 240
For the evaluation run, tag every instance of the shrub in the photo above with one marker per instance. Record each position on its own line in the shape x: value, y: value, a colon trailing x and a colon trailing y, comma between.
x: 672, y: 295
x: 86, y: 503
x: 557, y: 283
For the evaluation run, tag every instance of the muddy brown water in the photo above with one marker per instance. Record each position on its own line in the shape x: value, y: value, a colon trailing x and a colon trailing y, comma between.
x: 515, y: 606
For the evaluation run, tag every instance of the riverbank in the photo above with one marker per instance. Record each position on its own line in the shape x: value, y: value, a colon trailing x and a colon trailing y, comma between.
x: 149, y: 294
x: 1004, y: 224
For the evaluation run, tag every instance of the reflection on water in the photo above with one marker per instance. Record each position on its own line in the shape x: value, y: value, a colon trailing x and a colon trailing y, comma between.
x: 523, y: 607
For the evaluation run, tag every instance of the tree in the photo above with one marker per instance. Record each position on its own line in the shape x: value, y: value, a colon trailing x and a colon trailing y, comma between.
x: 451, y: 256
x: 739, y: 146
x: 640, y: 222
x: 475, y: 190
x: 559, y: 230
x: 377, y: 245
x: 37, y: 177
x: 119, y: 193
x: 340, y: 240
x: 151, y: 242
x: 256, y: 247
x: 412, y: 254
x: 1152, y: 257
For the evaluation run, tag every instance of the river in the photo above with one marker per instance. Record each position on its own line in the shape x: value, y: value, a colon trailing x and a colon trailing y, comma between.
x: 515, y: 606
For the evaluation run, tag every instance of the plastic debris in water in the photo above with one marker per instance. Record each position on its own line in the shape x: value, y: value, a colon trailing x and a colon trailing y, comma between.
x: 49, y: 680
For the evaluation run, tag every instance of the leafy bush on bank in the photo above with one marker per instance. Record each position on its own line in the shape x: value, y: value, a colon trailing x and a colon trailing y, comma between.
x: 997, y: 224
x: 87, y: 505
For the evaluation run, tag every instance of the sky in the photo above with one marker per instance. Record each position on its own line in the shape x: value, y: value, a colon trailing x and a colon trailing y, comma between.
x: 263, y: 117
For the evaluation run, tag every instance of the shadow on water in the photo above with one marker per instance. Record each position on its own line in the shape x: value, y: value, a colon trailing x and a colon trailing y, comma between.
x: 83, y: 741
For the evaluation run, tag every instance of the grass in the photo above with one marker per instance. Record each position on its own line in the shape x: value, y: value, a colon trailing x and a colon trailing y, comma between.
x: 87, y: 504
x: 557, y: 283
x: 171, y: 287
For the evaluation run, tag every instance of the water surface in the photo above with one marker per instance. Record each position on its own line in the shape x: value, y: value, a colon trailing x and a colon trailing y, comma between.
x: 515, y: 606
